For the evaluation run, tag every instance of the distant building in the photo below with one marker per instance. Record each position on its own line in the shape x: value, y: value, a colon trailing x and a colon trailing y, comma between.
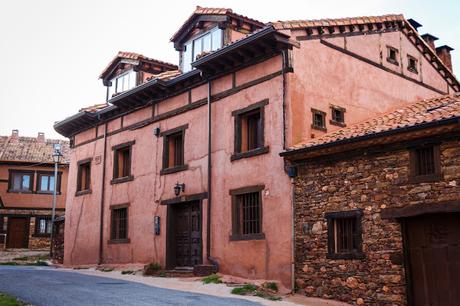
x: 181, y: 166
x: 26, y: 189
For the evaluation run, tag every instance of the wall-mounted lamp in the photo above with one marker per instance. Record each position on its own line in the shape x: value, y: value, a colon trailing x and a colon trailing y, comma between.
x: 179, y: 188
x: 156, y: 131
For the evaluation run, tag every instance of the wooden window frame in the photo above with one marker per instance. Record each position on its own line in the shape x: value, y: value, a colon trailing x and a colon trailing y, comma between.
x: 37, y: 226
x: 166, y: 137
x: 391, y: 60
x: 238, y: 116
x: 48, y: 173
x: 114, y: 240
x: 335, y: 122
x: 80, y: 164
x: 313, y: 125
x: 116, y: 149
x: 12, y: 172
x: 236, y: 230
x: 357, y: 214
x: 433, y: 177
x: 409, y: 67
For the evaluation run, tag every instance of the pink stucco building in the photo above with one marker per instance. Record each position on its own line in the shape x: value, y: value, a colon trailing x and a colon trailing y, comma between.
x: 181, y: 166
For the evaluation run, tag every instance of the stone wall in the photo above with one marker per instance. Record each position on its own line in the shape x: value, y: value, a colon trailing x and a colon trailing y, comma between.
x: 372, y: 183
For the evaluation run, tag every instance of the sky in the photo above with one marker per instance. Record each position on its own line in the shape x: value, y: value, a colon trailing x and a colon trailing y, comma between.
x: 53, y: 51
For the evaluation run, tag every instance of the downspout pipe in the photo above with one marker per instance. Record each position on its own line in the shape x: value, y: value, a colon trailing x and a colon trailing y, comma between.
x: 101, y: 229
x: 208, y: 215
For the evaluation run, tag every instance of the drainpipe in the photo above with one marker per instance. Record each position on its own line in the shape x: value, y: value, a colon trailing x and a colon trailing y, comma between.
x: 101, y: 230
x: 208, y: 217
x: 283, y: 70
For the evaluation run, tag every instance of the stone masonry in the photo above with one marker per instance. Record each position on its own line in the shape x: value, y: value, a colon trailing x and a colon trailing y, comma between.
x: 371, y: 183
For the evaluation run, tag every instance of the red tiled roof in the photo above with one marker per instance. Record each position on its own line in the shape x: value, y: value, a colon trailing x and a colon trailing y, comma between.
x: 300, y: 24
x: 28, y: 149
x: 418, y: 113
x: 94, y: 108
x: 214, y: 11
x: 167, y: 75
x: 134, y: 56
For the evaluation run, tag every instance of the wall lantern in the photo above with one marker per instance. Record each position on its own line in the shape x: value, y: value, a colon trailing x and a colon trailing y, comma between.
x: 179, y: 188
x: 156, y: 132
x: 156, y: 223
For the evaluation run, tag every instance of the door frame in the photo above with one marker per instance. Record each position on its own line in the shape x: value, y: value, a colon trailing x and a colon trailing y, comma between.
x: 8, y: 228
x: 170, y: 236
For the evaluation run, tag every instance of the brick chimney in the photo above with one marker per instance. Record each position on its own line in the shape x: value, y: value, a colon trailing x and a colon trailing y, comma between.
x: 430, y: 39
x: 41, y: 137
x: 15, y: 135
x: 443, y: 53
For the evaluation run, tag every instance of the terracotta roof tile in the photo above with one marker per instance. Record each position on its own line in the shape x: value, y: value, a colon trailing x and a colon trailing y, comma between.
x: 297, y: 24
x: 94, y: 108
x: 421, y: 112
x: 167, y: 75
x: 28, y: 149
x: 134, y: 56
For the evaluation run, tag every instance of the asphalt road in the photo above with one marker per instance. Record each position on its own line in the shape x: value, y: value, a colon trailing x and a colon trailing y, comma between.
x: 48, y: 286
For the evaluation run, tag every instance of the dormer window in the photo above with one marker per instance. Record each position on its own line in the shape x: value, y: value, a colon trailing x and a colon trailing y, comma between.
x: 207, y: 42
x: 123, y: 82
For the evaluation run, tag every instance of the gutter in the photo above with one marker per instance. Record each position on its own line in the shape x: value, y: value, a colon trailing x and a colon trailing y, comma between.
x: 101, y: 228
x: 447, y: 121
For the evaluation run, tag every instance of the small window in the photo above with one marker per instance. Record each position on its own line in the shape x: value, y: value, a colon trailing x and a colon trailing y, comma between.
x: 125, y: 82
x: 84, y: 177
x: 45, y: 182
x: 249, y: 131
x: 193, y: 49
x: 318, y: 120
x: 122, y: 162
x: 392, y: 55
x: 43, y: 226
x: 338, y: 116
x: 174, y: 150
x: 344, y: 235
x: 412, y: 64
x: 425, y: 164
x: 21, y: 181
x: 119, y: 224
x: 247, y: 214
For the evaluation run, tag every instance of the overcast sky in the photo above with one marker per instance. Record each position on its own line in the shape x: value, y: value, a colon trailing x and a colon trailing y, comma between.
x: 53, y: 51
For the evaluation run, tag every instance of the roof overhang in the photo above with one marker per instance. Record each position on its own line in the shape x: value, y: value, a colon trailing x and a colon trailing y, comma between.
x: 368, y: 140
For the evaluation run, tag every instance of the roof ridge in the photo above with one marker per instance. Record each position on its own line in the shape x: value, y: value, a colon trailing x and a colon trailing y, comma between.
x: 340, y: 18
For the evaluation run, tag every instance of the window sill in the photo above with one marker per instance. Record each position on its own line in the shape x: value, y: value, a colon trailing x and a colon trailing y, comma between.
x: 255, y: 152
x: 412, y: 70
x: 41, y: 235
x: 319, y: 128
x: 173, y: 169
x: 357, y: 255
x: 341, y: 124
x: 123, y: 179
x: 392, y: 61
x: 118, y: 241
x: 425, y: 178
x: 47, y: 192
x: 19, y: 191
x: 82, y: 192
x: 260, y: 236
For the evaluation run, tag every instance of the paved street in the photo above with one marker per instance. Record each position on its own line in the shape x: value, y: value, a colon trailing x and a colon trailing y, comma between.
x: 47, y: 286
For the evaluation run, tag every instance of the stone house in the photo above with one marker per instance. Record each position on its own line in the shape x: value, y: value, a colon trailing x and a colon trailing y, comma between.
x: 377, y: 208
x: 26, y: 189
x: 181, y: 165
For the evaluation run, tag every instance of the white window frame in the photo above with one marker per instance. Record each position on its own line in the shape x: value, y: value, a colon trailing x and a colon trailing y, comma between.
x: 191, y: 43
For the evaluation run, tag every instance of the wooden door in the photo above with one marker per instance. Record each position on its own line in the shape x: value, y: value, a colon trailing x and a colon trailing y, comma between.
x: 433, y: 246
x: 18, y: 232
x: 187, y: 234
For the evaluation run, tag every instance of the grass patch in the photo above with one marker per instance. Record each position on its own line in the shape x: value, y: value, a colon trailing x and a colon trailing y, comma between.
x: 106, y: 270
x: 244, y: 290
x: 7, y: 300
x: 8, y: 263
x: 212, y: 279
x: 40, y: 263
x: 272, y: 286
x: 128, y: 272
x: 152, y: 268
x: 23, y: 258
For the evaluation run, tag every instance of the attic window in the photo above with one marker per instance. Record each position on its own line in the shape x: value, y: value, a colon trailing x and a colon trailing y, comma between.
x: 412, y: 64
x: 392, y: 55
x: 123, y: 82
x: 207, y: 42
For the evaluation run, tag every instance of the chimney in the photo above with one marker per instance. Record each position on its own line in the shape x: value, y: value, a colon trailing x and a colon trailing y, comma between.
x: 15, y: 135
x: 443, y: 53
x: 430, y: 39
x: 41, y: 137
x: 414, y: 24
